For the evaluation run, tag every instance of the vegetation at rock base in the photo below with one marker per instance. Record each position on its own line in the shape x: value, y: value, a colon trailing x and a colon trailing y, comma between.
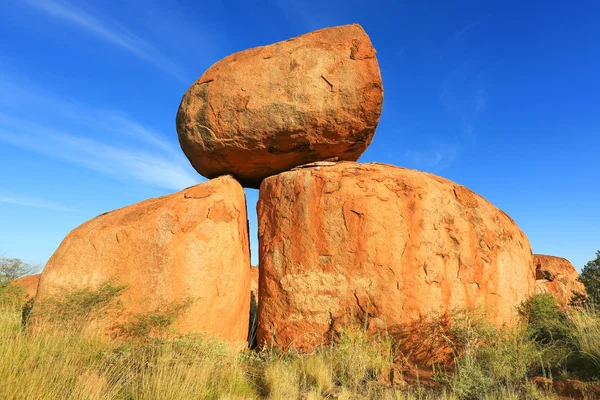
x: 490, y: 363
x: 148, y: 360
x: 11, y: 269
x: 73, y: 309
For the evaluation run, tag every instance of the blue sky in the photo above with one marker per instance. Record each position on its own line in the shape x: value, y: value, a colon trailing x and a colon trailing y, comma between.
x: 502, y: 97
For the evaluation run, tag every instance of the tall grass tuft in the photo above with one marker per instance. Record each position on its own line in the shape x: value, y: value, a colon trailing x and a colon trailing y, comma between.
x: 491, y: 363
x: 585, y: 323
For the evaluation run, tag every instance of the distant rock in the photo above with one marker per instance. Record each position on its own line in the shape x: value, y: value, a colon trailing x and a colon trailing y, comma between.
x: 254, y: 282
x: 387, y: 245
x: 557, y: 276
x: 29, y: 284
x: 265, y: 110
x: 191, y: 245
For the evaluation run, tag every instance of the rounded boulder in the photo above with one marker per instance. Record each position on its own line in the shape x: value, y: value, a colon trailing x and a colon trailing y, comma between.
x: 264, y: 110
x: 557, y: 276
x: 190, y: 247
x: 388, y: 246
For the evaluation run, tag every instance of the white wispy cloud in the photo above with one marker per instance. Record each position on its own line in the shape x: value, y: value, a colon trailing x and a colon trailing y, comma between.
x: 152, y: 166
x: 33, y: 202
x: 105, y: 141
x: 109, y: 31
x: 438, y: 156
x: 300, y: 13
x: 464, y: 29
x: 463, y: 94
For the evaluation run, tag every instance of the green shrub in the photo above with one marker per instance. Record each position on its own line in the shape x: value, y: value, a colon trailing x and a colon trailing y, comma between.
x: 143, y: 326
x: 590, y: 277
x: 73, y: 309
x: 489, y: 360
x: 11, y: 269
x: 547, y: 323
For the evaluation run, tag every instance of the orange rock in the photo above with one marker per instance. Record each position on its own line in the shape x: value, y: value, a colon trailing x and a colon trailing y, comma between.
x: 389, y: 245
x: 571, y: 389
x: 29, y: 284
x: 557, y: 276
x: 189, y: 245
x: 265, y: 110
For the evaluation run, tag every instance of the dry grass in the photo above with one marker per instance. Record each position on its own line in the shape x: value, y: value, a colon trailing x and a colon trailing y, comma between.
x: 585, y: 325
x: 76, y: 364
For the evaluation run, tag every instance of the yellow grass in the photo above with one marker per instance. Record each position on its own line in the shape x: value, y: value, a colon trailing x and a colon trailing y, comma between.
x: 75, y: 364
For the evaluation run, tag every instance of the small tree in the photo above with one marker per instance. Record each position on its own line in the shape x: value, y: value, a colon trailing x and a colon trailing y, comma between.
x: 11, y: 269
x: 590, y: 277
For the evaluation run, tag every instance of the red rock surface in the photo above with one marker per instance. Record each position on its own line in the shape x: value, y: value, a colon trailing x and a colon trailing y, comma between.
x: 189, y: 245
x: 395, y: 244
x: 265, y: 110
x: 29, y: 284
x: 557, y: 276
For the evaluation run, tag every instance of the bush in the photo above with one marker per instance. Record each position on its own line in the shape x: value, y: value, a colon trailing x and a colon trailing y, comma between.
x: 590, y: 277
x: 147, y: 325
x: 547, y: 323
x: 490, y: 362
x: 11, y: 269
x: 73, y: 309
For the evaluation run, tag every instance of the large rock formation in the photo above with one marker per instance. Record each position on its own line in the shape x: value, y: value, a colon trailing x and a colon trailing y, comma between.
x: 191, y: 245
x: 29, y: 284
x: 389, y: 245
x: 265, y: 110
x: 557, y: 276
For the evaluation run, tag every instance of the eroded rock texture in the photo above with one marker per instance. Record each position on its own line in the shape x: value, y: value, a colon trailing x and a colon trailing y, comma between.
x: 265, y: 110
x: 389, y: 245
x: 557, y: 276
x: 191, y: 245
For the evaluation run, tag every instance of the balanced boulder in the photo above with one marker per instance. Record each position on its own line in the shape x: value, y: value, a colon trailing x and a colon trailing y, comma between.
x: 557, y: 276
x: 188, y: 247
x: 265, y: 110
x: 389, y: 245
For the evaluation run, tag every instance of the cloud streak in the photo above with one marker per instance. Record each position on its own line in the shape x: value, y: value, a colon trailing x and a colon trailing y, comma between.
x: 108, y: 31
x: 108, y: 142
x: 31, y: 202
x: 463, y: 94
x: 464, y: 30
x: 439, y: 156
x: 152, y: 166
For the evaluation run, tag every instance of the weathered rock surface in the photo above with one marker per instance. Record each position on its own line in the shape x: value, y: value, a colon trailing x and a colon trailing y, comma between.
x: 557, y: 276
x: 262, y: 111
x: 191, y: 245
x: 29, y: 284
x: 382, y: 243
